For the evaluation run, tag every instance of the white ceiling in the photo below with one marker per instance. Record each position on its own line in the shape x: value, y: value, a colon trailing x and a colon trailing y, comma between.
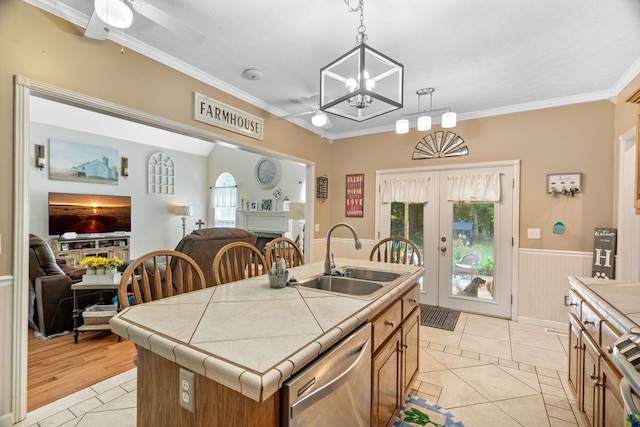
x: 483, y: 57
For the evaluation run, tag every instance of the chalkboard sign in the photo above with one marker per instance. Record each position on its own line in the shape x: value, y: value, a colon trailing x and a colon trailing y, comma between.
x: 604, y: 253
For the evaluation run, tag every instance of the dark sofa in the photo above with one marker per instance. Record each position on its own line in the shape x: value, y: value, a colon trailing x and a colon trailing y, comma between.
x: 50, y: 295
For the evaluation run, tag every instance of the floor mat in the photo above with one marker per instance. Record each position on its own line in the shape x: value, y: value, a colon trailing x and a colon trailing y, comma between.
x: 417, y: 412
x: 437, y: 317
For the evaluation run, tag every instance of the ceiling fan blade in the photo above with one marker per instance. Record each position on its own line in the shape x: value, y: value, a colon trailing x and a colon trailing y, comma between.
x: 96, y: 28
x: 304, y: 113
x: 167, y: 21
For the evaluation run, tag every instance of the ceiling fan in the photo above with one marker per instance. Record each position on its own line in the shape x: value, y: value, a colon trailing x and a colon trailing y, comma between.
x: 319, y: 118
x: 118, y: 14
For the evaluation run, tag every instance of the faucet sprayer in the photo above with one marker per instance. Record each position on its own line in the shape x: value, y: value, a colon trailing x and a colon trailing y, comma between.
x: 328, y: 265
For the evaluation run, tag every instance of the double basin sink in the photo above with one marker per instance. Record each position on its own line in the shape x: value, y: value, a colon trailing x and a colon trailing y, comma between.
x: 355, y: 281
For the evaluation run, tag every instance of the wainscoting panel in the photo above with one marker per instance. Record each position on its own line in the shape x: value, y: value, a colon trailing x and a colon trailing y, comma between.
x: 6, y: 348
x: 543, y: 282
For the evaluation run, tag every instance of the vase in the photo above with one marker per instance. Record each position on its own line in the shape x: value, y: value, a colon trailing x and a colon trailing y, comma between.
x: 91, y: 271
x: 100, y: 270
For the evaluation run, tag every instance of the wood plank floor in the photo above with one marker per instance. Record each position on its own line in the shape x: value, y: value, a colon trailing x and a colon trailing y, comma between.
x: 57, y: 367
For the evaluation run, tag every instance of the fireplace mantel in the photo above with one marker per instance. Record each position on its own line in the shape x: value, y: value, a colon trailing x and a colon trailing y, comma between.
x: 265, y: 221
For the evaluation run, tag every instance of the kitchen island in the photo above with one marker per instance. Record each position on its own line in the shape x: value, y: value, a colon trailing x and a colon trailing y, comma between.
x: 601, y: 311
x: 243, y: 340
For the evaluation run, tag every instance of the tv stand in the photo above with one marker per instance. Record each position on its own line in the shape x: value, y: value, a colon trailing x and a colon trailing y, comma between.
x: 74, y: 250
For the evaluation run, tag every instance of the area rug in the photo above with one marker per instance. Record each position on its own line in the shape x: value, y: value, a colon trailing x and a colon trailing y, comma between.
x: 437, y: 317
x: 417, y: 412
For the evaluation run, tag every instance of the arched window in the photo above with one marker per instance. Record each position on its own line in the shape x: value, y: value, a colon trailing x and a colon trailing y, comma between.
x: 223, y: 201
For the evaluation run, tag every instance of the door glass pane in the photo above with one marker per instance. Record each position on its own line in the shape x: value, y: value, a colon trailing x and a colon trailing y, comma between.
x: 407, y: 220
x: 473, y: 252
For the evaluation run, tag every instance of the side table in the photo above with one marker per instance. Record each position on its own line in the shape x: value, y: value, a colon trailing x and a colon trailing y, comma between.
x: 80, y: 286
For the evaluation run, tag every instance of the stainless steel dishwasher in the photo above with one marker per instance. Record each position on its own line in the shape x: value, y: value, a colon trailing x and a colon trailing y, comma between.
x: 334, y: 390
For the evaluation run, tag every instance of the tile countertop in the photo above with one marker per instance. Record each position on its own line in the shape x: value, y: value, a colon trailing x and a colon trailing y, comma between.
x: 250, y: 337
x: 618, y: 299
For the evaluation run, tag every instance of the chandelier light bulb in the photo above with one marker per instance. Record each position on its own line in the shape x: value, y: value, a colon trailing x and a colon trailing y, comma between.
x: 402, y: 126
x: 351, y: 84
x: 424, y: 123
x: 449, y: 120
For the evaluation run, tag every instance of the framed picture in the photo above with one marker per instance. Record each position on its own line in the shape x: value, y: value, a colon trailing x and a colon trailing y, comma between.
x: 253, y: 206
x: 354, y: 203
x: 266, y: 205
x: 71, y: 161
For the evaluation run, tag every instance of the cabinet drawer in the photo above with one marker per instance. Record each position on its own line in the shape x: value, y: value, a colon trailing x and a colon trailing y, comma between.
x: 386, y: 323
x: 608, y: 335
x: 590, y: 322
x: 410, y: 300
x: 574, y: 303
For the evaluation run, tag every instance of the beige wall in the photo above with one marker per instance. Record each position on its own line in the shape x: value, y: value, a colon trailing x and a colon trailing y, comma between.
x: 577, y: 138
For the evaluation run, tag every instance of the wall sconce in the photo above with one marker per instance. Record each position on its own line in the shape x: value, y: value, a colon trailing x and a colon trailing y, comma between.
x: 124, y: 167
x: 322, y: 188
x: 41, y: 162
x: 184, y: 212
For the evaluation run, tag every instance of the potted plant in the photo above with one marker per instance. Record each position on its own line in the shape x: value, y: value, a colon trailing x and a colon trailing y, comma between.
x: 112, y: 265
x: 101, y: 265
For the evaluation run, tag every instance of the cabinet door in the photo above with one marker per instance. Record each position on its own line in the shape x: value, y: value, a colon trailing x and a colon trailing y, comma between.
x: 611, y: 411
x: 386, y: 382
x: 574, y: 357
x: 410, y: 349
x: 589, y: 380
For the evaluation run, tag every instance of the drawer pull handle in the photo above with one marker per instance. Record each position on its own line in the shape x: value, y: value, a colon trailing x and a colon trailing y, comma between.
x: 573, y: 304
x: 609, y: 349
x: 413, y: 300
x: 589, y: 322
x: 576, y: 346
x: 392, y: 324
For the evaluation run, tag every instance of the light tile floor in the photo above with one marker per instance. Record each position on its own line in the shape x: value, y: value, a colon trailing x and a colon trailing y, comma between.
x: 487, y: 372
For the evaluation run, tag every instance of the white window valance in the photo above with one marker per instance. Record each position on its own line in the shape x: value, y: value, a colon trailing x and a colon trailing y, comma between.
x: 407, y: 190
x: 224, y: 197
x: 474, y: 187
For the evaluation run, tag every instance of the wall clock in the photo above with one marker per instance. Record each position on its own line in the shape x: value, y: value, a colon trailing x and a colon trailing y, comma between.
x: 267, y: 172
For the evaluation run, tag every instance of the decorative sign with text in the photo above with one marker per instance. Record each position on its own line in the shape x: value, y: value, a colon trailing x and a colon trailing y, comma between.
x: 355, y: 195
x: 604, y: 253
x: 212, y: 112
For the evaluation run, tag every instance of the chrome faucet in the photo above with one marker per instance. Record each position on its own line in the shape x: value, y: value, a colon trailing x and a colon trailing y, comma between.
x: 328, y: 264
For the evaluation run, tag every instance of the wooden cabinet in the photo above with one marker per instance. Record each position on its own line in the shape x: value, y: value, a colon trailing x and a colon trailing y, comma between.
x: 396, y: 343
x: 593, y: 379
x: 74, y: 250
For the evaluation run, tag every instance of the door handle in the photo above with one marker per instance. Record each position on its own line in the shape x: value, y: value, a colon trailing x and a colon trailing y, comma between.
x: 443, y: 249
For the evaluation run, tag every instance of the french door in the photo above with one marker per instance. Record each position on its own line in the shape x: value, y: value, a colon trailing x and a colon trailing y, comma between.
x: 467, y: 247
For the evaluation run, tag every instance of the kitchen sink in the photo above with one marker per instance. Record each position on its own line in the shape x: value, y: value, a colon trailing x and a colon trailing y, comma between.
x: 373, y: 275
x: 342, y: 285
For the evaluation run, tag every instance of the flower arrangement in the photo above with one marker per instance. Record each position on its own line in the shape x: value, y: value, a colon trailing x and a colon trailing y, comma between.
x: 101, y: 262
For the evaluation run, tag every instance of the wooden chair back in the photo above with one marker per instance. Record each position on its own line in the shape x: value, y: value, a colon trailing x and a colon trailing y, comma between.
x: 396, y: 250
x: 283, y: 247
x: 237, y: 261
x: 151, y: 277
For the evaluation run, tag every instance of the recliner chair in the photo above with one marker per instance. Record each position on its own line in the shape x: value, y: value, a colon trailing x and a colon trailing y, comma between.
x: 50, y: 295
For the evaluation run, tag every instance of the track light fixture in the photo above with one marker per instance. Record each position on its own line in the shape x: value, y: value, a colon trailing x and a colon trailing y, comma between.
x: 449, y: 118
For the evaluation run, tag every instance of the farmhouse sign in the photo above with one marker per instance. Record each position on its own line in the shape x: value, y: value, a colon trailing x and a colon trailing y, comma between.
x: 604, y: 253
x: 215, y: 113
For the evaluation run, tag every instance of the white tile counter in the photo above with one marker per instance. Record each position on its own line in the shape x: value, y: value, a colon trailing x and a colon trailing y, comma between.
x: 250, y: 337
x: 619, y: 300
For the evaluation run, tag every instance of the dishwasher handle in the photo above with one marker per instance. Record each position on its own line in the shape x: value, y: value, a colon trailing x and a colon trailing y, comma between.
x: 328, y: 388
x: 627, y: 392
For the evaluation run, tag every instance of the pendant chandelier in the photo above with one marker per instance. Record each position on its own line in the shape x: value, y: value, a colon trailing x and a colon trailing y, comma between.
x: 363, y: 83
x: 449, y: 118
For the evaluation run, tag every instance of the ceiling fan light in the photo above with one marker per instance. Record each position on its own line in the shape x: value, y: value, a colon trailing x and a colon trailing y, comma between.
x: 319, y: 119
x: 449, y: 119
x: 402, y: 126
x: 424, y: 123
x: 114, y: 13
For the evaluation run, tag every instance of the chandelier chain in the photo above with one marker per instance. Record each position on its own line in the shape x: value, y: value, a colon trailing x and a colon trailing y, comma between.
x: 362, y: 29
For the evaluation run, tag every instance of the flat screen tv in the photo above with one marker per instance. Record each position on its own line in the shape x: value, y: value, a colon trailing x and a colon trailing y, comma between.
x: 88, y: 213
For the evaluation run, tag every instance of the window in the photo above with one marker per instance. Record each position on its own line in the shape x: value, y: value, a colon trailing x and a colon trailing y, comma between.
x: 223, y: 201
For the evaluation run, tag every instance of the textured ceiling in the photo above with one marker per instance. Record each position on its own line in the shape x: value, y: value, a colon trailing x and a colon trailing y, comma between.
x: 483, y: 57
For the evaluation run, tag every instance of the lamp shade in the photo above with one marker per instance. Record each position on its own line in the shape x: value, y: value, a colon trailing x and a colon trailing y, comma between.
x: 449, y: 120
x: 296, y: 210
x: 319, y: 119
x: 184, y: 210
x: 402, y: 126
x: 424, y: 123
x: 114, y: 13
